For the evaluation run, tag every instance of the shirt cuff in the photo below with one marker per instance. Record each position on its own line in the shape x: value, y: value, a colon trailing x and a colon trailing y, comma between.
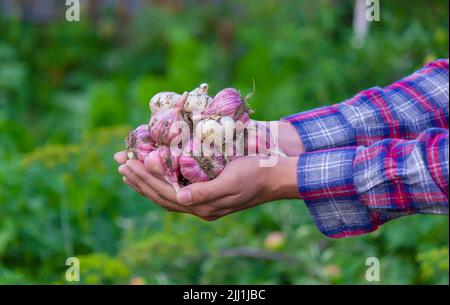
x: 322, y: 128
x: 325, y: 183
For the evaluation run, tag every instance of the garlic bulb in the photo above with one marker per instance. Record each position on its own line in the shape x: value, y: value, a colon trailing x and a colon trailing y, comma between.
x: 163, y: 100
x: 202, y: 89
x: 210, y: 132
x: 209, y: 129
x: 198, y: 168
x: 163, y: 125
x: 139, y: 143
x: 198, y: 99
x: 228, y: 131
x: 167, y: 163
x: 229, y: 102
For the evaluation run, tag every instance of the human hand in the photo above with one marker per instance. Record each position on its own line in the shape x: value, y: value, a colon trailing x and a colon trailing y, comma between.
x: 242, y: 184
x: 288, y: 139
x: 284, y: 136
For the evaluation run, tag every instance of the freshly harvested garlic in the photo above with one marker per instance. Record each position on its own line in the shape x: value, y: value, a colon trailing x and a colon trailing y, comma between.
x: 163, y: 100
x: 198, y: 99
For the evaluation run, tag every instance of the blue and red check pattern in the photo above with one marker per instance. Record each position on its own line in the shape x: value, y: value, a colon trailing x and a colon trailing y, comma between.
x: 378, y: 156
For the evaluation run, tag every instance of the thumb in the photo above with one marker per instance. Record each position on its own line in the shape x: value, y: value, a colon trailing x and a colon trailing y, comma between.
x: 202, y: 192
x: 184, y: 196
x: 120, y: 157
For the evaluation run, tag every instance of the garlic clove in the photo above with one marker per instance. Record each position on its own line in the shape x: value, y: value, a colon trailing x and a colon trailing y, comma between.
x: 228, y: 102
x: 228, y: 131
x: 225, y: 120
x: 198, y: 99
x: 139, y: 143
x: 202, y: 89
x: 199, y: 168
x: 161, y: 125
x: 210, y: 132
x: 167, y: 163
x: 196, y: 102
x: 163, y: 100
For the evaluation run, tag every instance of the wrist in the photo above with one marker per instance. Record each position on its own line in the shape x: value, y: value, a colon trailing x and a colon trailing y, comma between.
x: 283, y: 178
x: 289, y: 140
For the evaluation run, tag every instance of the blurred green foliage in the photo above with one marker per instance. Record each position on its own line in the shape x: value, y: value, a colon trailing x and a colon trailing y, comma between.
x: 69, y: 92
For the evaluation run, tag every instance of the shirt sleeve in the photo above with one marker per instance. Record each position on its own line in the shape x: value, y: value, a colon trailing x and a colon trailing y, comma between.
x: 353, y: 190
x: 401, y: 110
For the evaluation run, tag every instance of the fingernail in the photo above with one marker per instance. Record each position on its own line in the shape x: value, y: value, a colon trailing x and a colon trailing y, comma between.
x: 184, y: 196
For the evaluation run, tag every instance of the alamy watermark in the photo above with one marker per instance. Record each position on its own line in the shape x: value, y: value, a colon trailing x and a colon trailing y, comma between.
x: 373, y: 270
x: 73, y: 272
x: 372, y: 10
x: 73, y: 10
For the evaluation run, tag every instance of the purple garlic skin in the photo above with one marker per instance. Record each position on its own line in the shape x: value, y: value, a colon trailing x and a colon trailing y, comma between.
x: 161, y: 123
x: 229, y: 102
x: 139, y: 143
x: 168, y: 163
x: 200, y: 168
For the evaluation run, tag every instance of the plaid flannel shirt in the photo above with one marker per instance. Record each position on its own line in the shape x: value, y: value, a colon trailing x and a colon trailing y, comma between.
x: 378, y: 156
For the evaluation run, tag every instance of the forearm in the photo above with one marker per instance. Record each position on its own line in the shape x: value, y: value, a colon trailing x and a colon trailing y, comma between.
x: 353, y: 190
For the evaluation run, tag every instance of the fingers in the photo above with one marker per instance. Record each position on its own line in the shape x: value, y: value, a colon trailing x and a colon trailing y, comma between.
x: 120, y: 157
x: 130, y: 184
x: 224, y: 206
x: 140, y: 186
x: 204, y: 192
x: 208, y: 212
x: 160, y: 187
x: 208, y: 200
x: 132, y: 181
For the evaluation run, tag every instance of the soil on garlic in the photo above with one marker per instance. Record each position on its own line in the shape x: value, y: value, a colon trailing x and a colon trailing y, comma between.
x: 206, y: 164
x: 188, y: 118
x: 169, y: 162
x: 130, y: 143
x: 244, y: 108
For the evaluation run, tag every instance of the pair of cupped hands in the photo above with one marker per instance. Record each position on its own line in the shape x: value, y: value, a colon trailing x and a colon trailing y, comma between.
x: 244, y: 183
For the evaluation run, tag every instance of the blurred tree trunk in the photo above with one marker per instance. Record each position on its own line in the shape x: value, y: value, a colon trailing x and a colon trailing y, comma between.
x: 360, y: 22
x: 93, y: 9
x: 174, y: 5
x: 123, y: 12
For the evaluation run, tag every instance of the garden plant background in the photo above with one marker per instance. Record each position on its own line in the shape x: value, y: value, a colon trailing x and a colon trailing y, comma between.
x: 70, y: 92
